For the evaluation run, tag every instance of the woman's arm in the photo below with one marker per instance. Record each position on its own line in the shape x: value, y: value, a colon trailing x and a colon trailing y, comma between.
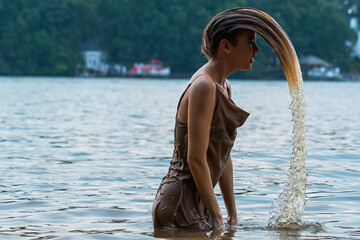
x: 226, y: 183
x: 201, y: 104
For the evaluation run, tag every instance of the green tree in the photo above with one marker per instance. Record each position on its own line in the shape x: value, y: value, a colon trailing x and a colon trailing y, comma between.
x: 315, y: 27
x: 40, y: 37
x: 45, y: 37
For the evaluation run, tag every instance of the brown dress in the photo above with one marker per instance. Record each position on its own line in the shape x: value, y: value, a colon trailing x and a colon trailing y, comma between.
x: 177, y: 203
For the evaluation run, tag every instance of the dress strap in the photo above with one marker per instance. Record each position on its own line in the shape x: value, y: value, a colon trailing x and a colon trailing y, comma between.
x: 225, y: 92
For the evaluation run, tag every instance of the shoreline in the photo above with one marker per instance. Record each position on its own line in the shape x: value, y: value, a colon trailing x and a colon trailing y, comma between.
x: 175, y: 77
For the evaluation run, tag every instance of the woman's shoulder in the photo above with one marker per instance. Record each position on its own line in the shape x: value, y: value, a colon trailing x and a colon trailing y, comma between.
x: 202, y: 97
x: 203, y: 84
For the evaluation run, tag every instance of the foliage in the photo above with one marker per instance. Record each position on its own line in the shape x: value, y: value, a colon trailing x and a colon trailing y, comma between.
x: 45, y: 37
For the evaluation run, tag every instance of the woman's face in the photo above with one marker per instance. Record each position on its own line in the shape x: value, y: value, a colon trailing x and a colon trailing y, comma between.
x: 243, y: 54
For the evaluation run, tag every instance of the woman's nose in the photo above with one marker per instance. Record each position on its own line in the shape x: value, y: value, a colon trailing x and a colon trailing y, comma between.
x: 256, y: 48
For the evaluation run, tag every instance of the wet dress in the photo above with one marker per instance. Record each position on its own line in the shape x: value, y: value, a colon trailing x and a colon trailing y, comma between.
x: 177, y: 203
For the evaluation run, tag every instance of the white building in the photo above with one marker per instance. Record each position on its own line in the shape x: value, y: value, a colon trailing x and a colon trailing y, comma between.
x: 317, y: 68
x: 94, y: 58
x: 354, y: 24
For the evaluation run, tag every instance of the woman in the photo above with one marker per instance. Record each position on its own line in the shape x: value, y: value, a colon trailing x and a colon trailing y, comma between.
x: 205, y: 132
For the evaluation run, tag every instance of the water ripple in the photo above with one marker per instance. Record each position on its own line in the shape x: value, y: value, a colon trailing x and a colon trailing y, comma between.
x: 82, y: 158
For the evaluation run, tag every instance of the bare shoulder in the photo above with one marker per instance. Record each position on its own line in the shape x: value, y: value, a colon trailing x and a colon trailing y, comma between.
x: 201, y: 103
x: 203, y: 86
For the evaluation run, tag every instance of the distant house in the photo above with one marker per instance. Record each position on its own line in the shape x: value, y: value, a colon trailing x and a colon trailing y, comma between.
x: 94, y: 60
x: 354, y: 24
x: 94, y: 57
x: 316, y: 68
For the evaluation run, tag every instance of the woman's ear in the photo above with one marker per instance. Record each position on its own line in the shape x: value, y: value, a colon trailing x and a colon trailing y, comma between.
x: 225, y: 45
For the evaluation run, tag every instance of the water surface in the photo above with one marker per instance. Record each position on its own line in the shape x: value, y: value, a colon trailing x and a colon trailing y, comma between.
x: 82, y: 158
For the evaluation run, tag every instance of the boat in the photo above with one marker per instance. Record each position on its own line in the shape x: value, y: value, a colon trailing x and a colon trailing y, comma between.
x: 154, y: 68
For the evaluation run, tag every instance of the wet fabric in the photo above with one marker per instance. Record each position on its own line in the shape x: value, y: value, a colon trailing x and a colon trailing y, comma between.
x: 177, y: 203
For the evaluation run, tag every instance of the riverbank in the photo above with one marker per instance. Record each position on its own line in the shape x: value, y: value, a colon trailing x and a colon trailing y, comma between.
x: 181, y: 77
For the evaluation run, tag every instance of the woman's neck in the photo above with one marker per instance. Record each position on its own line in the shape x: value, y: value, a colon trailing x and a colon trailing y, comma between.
x: 218, y: 70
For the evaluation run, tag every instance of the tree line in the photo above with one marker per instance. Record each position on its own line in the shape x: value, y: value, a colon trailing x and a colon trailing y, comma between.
x: 45, y: 37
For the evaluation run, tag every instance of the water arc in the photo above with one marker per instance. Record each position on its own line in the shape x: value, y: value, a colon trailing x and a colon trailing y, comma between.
x: 287, y: 209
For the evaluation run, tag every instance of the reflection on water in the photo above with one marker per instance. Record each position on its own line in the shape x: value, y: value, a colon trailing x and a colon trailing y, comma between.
x: 231, y: 232
x: 82, y: 158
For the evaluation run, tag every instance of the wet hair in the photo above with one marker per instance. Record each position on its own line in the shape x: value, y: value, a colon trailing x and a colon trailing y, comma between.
x: 223, y: 26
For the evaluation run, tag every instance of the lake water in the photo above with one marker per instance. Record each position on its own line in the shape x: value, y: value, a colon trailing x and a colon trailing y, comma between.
x: 83, y: 158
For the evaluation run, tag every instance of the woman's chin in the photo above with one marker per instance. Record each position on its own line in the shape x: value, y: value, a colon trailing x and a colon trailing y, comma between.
x: 247, y: 68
